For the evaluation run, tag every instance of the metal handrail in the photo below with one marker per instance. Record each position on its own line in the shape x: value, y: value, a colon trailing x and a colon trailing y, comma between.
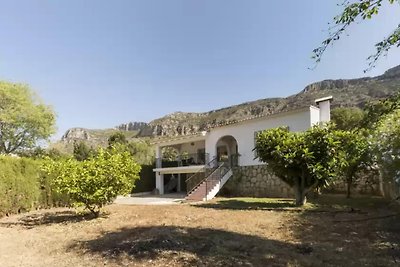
x: 203, y: 173
x: 215, y: 175
x: 222, y: 169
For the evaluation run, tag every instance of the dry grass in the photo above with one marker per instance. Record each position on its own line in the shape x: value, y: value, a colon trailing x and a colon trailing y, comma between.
x: 226, y: 232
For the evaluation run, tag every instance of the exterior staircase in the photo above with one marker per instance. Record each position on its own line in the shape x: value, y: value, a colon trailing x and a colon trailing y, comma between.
x: 206, y: 184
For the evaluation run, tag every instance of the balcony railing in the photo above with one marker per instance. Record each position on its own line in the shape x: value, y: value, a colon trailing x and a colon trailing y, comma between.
x: 183, y: 160
x: 231, y: 161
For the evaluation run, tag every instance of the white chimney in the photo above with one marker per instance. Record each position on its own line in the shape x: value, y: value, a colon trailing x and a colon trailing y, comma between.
x: 324, y: 105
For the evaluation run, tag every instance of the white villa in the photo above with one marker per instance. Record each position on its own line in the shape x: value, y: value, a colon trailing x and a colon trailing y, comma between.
x: 207, y: 160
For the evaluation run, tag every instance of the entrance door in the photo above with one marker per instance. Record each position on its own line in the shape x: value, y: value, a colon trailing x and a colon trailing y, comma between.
x: 222, y: 153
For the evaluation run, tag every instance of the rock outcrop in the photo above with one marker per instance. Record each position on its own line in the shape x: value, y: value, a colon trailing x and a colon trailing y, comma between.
x: 132, y: 126
x: 75, y: 134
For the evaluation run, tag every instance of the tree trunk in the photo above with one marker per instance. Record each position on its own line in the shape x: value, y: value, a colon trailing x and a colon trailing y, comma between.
x: 349, y: 183
x: 300, y: 192
x: 381, y: 186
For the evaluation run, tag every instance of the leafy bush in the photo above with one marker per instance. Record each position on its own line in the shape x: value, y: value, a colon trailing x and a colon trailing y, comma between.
x: 96, y: 181
x: 141, y: 151
x: 19, y: 184
x: 147, y: 180
x: 23, y: 186
x: 386, y: 141
x: 49, y: 196
x: 82, y: 151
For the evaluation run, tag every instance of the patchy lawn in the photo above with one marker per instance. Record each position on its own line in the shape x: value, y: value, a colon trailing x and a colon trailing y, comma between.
x: 331, y: 231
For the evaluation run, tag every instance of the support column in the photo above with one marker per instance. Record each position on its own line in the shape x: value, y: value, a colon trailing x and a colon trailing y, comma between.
x: 158, y: 157
x: 160, y: 182
x: 179, y: 183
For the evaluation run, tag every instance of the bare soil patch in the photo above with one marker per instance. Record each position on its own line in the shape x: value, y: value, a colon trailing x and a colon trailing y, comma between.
x: 225, y: 232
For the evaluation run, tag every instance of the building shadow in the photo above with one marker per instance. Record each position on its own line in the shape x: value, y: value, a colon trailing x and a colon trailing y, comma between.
x: 49, y: 218
x: 186, y: 246
x: 237, y: 204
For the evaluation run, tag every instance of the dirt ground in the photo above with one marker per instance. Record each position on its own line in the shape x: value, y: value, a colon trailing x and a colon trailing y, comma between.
x: 225, y: 232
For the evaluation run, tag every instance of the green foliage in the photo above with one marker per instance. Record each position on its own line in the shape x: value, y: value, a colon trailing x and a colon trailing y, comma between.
x: 169, y: 153
x: 147, y: 181
x: 304, y: 160
x: 141, y: 151
x: 117, y: 138
x: 19, y: 184
x: 24, y: 119
x: 347, y: 118
x: 386, y: 141
x: 96, y: 181
x: 82, y: 151
x: 23, y: 186
x: 40, y: 153
x: 354, y: 12
x: 356, y: 155
x: 375, y: 112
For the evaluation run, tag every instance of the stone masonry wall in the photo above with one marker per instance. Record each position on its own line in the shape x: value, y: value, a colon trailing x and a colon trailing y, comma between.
x: 255, y: 181
x: 259, y: 181
x: 366, y: 184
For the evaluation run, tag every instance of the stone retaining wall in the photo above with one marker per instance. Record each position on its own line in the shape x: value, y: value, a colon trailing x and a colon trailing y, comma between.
x: 366, y: 184
x: 255, y: 181
x: 259, y: 181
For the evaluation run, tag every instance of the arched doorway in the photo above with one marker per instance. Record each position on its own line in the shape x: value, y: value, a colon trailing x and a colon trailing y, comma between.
x: 227, y: 150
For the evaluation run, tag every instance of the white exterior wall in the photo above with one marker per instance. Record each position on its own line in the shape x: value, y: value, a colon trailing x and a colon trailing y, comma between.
x: 314, y: 115
x: 325, y: 111
x: 244, y: 133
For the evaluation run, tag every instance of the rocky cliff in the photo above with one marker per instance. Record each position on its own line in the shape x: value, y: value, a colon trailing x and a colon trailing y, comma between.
x: 75, y: 134
x: 132, y: 126
x: 346, y: 92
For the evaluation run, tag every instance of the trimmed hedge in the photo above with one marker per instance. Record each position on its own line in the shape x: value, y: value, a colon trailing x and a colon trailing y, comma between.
x: 147, y: 180
x: 24, y: 187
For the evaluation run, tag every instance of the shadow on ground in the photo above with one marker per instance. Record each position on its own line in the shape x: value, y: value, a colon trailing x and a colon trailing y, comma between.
x: 185, y: 246
x: 238, y: 204
x: 361, y: 231
x: 49, y: 218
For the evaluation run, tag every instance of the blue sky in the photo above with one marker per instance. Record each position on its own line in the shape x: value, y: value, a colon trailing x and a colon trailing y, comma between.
x: 102, y: 63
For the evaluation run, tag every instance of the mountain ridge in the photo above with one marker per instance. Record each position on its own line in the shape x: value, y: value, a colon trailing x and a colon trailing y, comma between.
x: 345, y: 92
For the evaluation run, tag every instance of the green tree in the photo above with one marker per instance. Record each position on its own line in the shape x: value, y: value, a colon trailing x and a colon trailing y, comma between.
x: 82, y: 151
x: 376, y: 111
x: 355, y: 156
x: 24, y: 119
x: 353, y: 12
x: 96, y: 181
x: 117, y: 138
x: 142, y: 151
x: 386, y: 141
x: 304, y: 160
x: 347, y: 118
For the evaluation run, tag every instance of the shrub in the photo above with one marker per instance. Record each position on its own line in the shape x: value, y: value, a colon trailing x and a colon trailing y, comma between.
x: 23, y: 186
x: 97, y: 181
x: 19, y: 184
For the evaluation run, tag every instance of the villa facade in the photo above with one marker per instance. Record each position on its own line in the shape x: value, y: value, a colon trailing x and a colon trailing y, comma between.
x: 201, y: 164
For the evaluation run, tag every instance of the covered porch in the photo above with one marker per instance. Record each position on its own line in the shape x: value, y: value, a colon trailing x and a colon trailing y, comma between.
x: 177, y: 159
